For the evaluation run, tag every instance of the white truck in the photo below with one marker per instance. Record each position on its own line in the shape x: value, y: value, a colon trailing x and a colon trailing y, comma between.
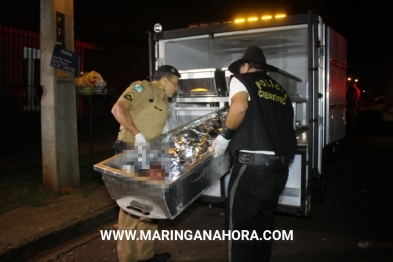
x: 312, y: 62
x: 376, y: 113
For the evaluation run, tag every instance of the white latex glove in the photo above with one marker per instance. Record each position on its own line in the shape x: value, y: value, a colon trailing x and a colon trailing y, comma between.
x: 140, y: 139
x: 219, y: 145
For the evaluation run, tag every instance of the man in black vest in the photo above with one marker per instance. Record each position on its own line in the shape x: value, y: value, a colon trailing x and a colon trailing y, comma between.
x: 260, y: 136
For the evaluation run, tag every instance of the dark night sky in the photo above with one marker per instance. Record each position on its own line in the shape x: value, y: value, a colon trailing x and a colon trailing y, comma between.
x: 365, y: 24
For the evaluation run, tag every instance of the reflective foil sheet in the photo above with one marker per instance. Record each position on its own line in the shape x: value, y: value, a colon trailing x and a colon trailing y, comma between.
x: 189, y: 144
x: 163, y: 177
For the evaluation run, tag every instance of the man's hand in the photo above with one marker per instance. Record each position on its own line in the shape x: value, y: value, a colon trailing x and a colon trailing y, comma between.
x: 219, y: 145
x: 140, y: 139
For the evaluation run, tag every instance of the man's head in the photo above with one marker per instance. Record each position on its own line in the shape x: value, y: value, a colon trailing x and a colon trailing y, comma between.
x: 253, y: 58
x: 247, y: 67
x: 168, y: 77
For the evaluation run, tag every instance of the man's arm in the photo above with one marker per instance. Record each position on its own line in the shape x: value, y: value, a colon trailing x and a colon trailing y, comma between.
x: 120, y: 111
x: 237, y: 110
x: 235, y: 116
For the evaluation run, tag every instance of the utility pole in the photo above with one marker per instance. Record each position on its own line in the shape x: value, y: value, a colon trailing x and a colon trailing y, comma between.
x: 60, y: 158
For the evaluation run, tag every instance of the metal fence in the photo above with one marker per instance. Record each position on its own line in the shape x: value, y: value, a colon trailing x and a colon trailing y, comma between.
x: 20, y: 89
x: 19, y: 63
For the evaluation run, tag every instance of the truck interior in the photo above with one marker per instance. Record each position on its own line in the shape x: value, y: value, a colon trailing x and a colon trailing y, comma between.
x: 284, y: 47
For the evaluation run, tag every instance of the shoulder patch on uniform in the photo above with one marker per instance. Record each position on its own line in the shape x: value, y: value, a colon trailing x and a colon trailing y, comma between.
x: 138, y: 88
x: 129, y: 96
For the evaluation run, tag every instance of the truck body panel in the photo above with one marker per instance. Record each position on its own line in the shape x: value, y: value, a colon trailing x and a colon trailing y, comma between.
x: 336, y: 87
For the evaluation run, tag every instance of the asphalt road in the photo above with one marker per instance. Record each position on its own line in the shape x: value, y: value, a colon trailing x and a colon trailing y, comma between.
x: 353, y: 224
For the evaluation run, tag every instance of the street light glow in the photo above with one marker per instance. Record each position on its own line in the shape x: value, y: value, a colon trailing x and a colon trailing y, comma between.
x: 350, y: 79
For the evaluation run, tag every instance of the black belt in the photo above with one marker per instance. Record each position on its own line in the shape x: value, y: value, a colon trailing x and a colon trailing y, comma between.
x: 262, y: 159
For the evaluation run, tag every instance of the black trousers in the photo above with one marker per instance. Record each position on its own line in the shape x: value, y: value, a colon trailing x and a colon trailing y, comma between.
x: 253, y: 197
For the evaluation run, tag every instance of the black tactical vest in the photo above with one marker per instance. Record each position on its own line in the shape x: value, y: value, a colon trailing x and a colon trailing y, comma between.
x: 268, y: 123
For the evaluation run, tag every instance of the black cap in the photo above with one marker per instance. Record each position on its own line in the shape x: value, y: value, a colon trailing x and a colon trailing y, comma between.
x: 252, y: 54
x: 169, y: 69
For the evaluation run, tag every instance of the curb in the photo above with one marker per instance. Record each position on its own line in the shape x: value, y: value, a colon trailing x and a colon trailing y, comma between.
x: 64, y: 232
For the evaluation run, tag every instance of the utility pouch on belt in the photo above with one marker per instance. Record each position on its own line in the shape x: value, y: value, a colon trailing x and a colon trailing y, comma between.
x: 262, y: 160
x: 118, y: 146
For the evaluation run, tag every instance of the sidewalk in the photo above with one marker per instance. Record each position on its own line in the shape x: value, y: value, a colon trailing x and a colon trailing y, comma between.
x: 28, y: 230
x: 351, y: 225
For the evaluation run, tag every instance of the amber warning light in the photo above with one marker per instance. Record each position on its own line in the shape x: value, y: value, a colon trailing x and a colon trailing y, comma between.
x: 241, y: 20
x: 261, y: 18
